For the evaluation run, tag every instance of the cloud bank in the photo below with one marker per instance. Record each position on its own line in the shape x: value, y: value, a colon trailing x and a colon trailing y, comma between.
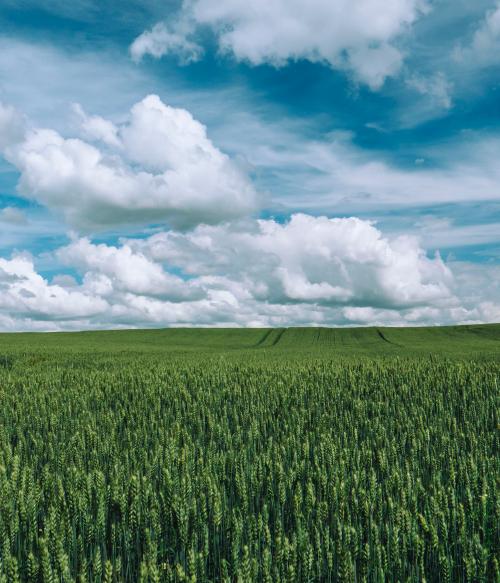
x: 307, y: 271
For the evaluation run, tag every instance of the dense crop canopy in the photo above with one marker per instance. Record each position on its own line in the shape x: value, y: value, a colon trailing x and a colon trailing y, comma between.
x: 247, y: 466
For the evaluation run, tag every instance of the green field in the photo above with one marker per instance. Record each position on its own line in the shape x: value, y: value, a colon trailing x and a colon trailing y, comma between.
x: 478, y: 341
x: 279, y: 455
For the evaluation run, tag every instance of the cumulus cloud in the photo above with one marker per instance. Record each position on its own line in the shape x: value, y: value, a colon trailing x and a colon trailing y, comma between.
x: 308, y: 259
x: 95, y: 127
x: 26, y: 294
x: 359, y: 37
x: 109, y: 269
x: 307, y: 271
x: 159, y: 166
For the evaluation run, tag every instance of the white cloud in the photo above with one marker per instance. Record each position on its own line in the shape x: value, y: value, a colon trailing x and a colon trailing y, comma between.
x: 110, y: 269
x: 163, y: 39
x: 309, y: 259
x: 334, y: 176
x: 309, y: 271
x: 440, y: 233
x: 373, y: 65
x: 437, y: 87
x: 484, y: 49
x: 359, y: 37
x: 163, y: 168
x: 25, y: 294
x: 124, y: 184
x: 95, y: 127
x: 476, y: 287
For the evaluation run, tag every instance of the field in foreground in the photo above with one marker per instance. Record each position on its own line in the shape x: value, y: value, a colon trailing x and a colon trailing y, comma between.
x: 250, y: 455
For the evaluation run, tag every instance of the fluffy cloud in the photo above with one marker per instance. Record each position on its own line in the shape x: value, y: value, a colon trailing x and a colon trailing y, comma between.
x: 160, y: 166
x: 95, y: 127
x: 309, y: 259
x: 308, y: 271
x: 111, y: 269
x: 359, y: 37
x: 26, y: 294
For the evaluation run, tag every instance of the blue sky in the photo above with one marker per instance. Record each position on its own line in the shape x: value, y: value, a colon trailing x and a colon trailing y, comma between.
x: 211, y: 163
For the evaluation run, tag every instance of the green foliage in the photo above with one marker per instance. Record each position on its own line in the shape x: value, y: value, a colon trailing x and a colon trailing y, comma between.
x: 268, y: 463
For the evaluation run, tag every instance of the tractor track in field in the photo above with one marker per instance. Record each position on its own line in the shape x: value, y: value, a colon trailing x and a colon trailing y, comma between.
x: 278, y: 336
x: 269, y: 336
x: 384, y: 338
x: 264, y: 338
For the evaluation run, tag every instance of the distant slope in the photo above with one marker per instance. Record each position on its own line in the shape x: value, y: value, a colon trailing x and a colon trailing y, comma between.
x: 449, y: 340
x: 325, y: 338
x: 464, y: 341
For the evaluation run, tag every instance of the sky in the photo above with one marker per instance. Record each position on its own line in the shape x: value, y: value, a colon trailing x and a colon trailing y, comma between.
x: 226, y: 163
